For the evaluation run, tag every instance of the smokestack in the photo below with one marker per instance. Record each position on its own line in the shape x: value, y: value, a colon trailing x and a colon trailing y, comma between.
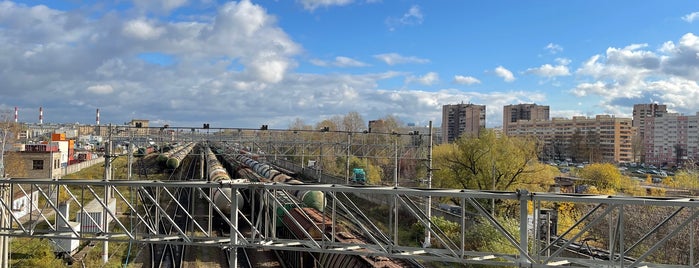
x: 41, y: 115
x: 97, y: 118
x: 15, y: 114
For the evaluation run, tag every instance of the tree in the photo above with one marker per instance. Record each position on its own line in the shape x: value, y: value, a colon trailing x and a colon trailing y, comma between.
x: 602, y: 176
x: 353, y: 122
x: 576, y: 146
x: 298, y: 124
x: 636, y: 148
x: 684, y: 180
x: 330, y: 124
x: 8, y: 133
x: 488, y: 162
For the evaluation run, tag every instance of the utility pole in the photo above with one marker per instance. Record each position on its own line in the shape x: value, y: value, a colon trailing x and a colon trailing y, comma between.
x: 107, y: 178
x: 347, y: 171
x: 428, y: 234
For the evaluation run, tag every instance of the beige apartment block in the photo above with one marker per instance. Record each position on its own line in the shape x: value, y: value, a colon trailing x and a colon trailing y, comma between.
x: 613, y: 136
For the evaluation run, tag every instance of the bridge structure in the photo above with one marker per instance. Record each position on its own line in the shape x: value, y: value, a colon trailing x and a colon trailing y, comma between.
x: 606, y: 231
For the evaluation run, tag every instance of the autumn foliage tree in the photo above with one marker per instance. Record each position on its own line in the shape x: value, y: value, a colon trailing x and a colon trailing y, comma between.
x: 491, y: 162
x: 602, y: 175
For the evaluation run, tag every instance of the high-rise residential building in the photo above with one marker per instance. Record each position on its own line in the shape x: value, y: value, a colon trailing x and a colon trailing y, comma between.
x: 603, y: 138
x: 460, y: 119
x: 671, y: 139
x: 641, y: 112
x: 517, y: 112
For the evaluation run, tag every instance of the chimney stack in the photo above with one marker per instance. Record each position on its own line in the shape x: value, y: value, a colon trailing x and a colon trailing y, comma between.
x: 41, y: 115
x: 15, y: 114
x: 97, y: 118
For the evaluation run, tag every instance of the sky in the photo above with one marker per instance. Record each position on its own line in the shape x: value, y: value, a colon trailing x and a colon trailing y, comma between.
x: 270, y: 62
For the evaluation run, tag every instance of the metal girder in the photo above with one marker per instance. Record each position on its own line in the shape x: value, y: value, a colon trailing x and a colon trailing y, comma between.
x: 625, y: 245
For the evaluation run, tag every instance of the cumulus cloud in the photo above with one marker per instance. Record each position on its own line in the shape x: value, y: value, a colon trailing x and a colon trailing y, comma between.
x: 142, y: 29
x: 691, y: 17
x: 413, y: 16
x: 428, y: 79
x: 505, y: 74
x: 466, y: 80
x: 395, y: 58
x: 236, y: 67
x: 633, y: 74
x: 548, y: 70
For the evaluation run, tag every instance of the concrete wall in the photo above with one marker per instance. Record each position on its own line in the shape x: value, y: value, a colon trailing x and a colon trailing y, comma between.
x: 79, y: 166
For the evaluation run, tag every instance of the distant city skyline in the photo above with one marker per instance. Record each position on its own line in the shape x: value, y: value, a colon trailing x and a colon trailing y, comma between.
x: 251, y: 63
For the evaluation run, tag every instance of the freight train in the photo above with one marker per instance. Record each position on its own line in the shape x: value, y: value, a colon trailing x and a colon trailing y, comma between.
x: 300, y: 220
x: 172, y: 158
x: 143, y: 151
x: 217, y: 173
x: 238, y: 158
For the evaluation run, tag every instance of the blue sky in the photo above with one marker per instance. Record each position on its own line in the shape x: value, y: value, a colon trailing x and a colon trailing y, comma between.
x: 248, y: 63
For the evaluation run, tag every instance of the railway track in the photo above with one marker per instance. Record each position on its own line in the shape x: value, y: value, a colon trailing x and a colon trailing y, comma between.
x: 167, y: 255
x: 352, y: 217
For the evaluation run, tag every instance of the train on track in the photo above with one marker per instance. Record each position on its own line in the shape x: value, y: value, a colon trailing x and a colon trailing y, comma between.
x: 173, y: 157
x: 243, y: 161
x: 217, y: 173
x: 299, y: 214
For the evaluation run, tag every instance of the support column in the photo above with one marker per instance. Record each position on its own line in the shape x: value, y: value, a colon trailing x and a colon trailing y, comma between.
x: 4, y: 224
x: 233, y: 254
x: 428, y: 206
x: 523, y: 223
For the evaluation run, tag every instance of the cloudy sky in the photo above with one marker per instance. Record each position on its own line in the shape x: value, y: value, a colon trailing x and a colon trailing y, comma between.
x: 248, y: 63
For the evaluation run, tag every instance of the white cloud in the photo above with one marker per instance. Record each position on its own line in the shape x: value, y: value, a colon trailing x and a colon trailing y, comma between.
x: 563, y: 61
x: 100, y: 89
x: 428, y: 79
x: 548, y: 70
x: 691, y: 17
x: 394, y: 58
x: 553, y: 48
x: 413, y: 16
x: 505, y: 74
x: 348, y: 62
x: 239, y: 61
x: 312, y: 5
x: 466, y: 80
x: 142, y: 29
x: 159, y: 6
x: 339, y: 61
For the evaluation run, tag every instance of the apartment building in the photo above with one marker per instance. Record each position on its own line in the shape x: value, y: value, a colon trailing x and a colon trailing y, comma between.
x: 671, y: 139
x: 529, y: 112
x: 641, y: 113
x: 460, y: 119
x: 608, y: 137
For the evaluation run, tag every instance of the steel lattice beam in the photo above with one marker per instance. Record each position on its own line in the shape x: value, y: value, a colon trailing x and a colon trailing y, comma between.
x: 530, y: 250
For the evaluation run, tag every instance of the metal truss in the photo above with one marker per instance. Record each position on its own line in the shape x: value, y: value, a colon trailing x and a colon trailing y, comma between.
x: 606, y: 232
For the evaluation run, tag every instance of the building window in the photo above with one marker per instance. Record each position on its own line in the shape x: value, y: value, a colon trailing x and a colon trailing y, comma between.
x: 37, y: 164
